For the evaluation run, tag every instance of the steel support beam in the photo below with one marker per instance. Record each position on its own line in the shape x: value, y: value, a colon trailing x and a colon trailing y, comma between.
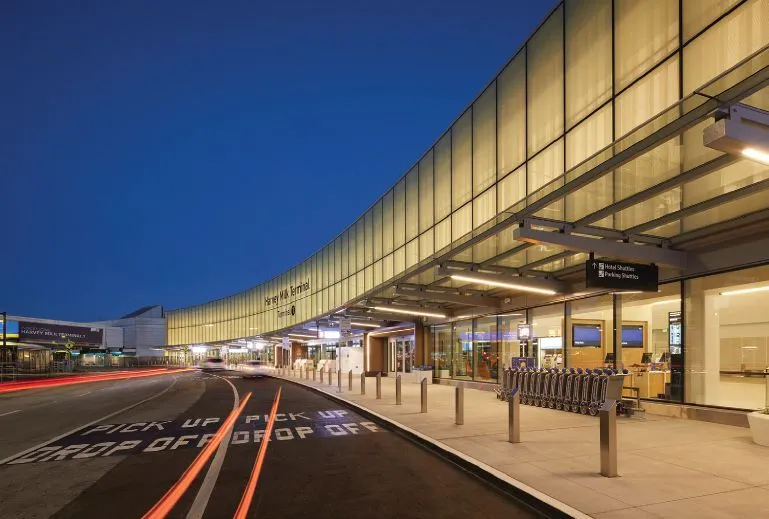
x: 604, y: 247
x: 469, y: 300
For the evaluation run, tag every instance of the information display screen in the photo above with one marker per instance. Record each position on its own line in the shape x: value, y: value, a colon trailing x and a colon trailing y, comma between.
x: 632, y: 336
x: 586, y: 335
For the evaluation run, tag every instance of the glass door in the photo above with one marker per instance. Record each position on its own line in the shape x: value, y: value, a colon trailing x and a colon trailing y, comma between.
x: 400, y: 355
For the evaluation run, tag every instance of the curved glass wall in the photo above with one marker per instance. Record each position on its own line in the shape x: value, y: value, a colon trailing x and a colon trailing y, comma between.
x: 582, y: 81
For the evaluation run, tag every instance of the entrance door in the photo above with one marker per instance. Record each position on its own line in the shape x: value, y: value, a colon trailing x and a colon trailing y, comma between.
x: 400, y: 354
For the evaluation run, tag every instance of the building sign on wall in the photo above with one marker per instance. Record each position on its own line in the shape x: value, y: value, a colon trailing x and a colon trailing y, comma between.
x: 45, y: 332
x: 617, y: 275
x: 287, y: 293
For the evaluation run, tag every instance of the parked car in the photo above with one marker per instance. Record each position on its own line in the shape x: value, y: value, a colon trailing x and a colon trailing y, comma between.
x: 253, y: 369
x: 212, y: 364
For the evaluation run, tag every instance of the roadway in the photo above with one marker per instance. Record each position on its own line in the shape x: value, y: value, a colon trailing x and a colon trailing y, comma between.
x: 114, y: 448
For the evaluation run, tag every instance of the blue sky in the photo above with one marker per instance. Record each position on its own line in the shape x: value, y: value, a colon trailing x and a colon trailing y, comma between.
x: 175, y: 152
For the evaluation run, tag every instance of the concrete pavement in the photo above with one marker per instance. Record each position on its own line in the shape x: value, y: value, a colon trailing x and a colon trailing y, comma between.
x: 668, y: 467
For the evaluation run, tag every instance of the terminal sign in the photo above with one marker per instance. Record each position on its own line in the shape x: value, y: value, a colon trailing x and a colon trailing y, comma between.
x: 617, y: 275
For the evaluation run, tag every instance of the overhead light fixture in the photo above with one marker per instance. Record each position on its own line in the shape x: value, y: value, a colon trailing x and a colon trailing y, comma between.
x: 757, y: 155
x: 366, y: 325
x: 301, y: 335
x: 523, y: 285
x: 669, y: 301
x: 745, y: 291
x: 208, y: 325
x: 740, y: 130
x: 408, y: 311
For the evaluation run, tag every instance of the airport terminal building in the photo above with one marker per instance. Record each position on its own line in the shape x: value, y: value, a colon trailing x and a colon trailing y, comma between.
x: 602, y: 202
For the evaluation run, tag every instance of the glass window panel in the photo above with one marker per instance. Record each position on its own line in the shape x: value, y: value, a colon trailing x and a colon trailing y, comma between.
x: 352, y: 253
x: 461, y: 222
x: 648, y: 97
x: 545, y: 83
x: 378, y: 273
x: 485, y: 140
x: 345, y: 254
x: 646, y: 32
x: 546, y: 166
x: 462, y: 354
x: 426, y: 192
x: 369, y: 223
x: 727, y: 211
x: 399, y: 261
x: 732, y: 39
x: 485, y: 207
x: 412, y: 203
x: 590, y: 338
x: 738, y: 175
x: 360, y: 283
x: 412, y: 253
x: 588, y: 57
x: 592, y: 135
x: 486, y: 363
x: 387, y: 268
x: 485, y: 250
x: 387, y: 223
x: 369, y: 272
x: 649, y: 169
x: 378, y: 230
x: 699, y: 13
x: 655, y: 207
x: 442, y: 234
x: 337, y: 259
x: 360, y: 233
x: 726, y: 333
x: 461, y: 165
x: 511, y: 115
x: 442, y: 350
x: 512, y: 189
x: 443, y: 177
x: 591, y: 198
x: 426, y: 245
x: 399, y: 213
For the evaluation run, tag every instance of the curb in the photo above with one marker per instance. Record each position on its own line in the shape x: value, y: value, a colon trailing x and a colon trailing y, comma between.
x: 538, y: 501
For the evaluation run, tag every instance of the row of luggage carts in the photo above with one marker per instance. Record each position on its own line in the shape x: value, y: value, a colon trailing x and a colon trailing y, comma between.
x: 574, y: 389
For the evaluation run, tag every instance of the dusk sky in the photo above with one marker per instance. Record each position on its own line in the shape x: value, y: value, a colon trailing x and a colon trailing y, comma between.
x: 175, y: 152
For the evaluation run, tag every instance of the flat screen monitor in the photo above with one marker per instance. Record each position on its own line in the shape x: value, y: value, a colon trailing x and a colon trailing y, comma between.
x: 632, y: 336
x: 646, y: 358
x: 609, y: 358
x: 586, y: 335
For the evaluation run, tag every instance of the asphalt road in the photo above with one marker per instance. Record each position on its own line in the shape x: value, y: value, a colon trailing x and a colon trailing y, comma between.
x: 87, y: 451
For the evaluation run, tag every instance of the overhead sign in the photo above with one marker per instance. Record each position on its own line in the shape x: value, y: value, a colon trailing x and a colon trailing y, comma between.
x: 52, y: 333
x: 12, y: 331
x: 286, y: 342
x: 616, y: 275
x: 345, y: 326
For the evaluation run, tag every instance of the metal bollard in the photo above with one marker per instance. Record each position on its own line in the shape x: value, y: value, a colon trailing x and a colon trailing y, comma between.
x: 313, y: 374
x: 307, y: 374
x: 321, y: 375
x: 349, y: 381
x: 514, y: 417
x: 424, y: 395
x: 608, y: 417
x: 378, y: 386
x: 339, y: 380
x: 330, y: 377
x: 459, y: 404
x: 398, y: 395
x: 363, y: 383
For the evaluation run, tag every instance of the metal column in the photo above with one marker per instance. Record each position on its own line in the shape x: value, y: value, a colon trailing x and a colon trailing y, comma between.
x: 424, y: 395
x: 608, y: 417
x: 459, y: 404
x: 514, y: 417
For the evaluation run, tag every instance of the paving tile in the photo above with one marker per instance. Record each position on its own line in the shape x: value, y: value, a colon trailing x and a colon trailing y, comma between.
x: 626, y: 513
x: 642, y: 481
x: 750, y: 502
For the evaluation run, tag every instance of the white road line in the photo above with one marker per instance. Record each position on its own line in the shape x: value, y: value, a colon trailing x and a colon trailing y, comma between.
x: 204, y: 493
x: 81, y: 427
x: 11, y: 412
x: 86, y: 393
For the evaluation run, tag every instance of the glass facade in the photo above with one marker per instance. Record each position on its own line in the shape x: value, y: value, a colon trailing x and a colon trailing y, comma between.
x: 596, y: 78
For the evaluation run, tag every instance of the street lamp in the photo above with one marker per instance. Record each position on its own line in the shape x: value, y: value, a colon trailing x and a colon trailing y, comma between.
x: 740, y: 130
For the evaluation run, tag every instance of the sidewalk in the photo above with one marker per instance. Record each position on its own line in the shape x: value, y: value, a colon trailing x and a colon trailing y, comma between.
x: 668, y: 467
